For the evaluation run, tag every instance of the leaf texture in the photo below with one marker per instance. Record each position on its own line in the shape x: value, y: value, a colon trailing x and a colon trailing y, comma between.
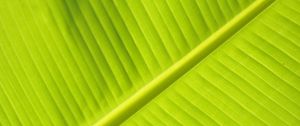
x: 69, y: 62
x: 253, y: 79
x: 73, y: 62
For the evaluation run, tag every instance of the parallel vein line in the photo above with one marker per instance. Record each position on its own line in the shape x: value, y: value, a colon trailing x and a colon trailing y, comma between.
x: 268, y: 85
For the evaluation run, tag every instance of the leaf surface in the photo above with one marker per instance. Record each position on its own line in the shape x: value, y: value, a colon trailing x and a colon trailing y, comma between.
x: 86, y: 62
x: 253, y: 79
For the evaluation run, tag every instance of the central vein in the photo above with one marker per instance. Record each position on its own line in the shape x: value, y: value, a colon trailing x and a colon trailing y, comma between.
x: 164, y: 80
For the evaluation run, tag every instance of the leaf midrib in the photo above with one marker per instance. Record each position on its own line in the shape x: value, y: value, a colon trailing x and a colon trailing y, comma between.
x: 165, y: 79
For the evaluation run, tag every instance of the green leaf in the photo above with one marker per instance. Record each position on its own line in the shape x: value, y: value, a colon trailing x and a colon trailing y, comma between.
x: 253, y: 79
x: 97, y: 62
